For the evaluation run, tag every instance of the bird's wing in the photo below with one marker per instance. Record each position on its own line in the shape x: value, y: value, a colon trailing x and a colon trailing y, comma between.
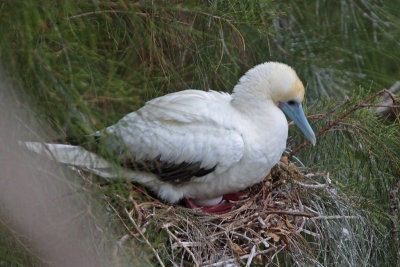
x: 178, y: 136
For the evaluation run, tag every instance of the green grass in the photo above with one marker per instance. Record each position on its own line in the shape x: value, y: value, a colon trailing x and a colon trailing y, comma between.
x: 83, y: 65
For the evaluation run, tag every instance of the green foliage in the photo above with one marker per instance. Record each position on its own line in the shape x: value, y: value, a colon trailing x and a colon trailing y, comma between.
x: 15, y: 249
x: 84, y: 64
x: 82, y: 59
x: 361, y: 152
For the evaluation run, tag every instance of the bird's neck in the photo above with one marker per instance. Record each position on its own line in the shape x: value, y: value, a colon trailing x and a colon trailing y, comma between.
x: 251, y: 99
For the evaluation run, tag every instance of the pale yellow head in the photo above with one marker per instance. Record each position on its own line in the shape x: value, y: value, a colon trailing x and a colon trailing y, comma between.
x: 277, y: 83
x: 285, y: 85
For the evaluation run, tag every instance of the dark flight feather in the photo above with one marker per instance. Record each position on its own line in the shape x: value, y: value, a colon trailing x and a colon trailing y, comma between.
x: 167, y: 171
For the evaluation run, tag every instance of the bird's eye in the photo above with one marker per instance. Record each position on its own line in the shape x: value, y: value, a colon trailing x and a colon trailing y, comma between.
x: 291, y: 103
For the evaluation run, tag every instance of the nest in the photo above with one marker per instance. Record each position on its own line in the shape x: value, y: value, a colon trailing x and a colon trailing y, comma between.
x: 280, y: 216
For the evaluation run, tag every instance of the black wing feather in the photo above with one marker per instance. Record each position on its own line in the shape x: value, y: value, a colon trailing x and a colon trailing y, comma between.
x: 168, y: 171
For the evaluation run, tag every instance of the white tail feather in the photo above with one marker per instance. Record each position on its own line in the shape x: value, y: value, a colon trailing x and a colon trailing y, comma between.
x: 68, y: 154
x: 76, y: 156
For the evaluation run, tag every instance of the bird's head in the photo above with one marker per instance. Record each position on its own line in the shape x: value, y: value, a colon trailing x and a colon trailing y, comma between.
x: 280, y: 84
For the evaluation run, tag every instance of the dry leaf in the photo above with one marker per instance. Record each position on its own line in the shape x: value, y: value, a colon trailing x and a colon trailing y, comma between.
x: 293, y: 166
x: 258, y: 259
x: 280, y: 225
x: 274, y: 236
x: 238, y: 249
x: 283, y: 231
x: 270, y: 216
x: 294, y: 174
x: 288, y: 224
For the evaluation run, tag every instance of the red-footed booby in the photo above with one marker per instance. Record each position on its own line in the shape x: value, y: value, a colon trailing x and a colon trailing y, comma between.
x: 201, y: 146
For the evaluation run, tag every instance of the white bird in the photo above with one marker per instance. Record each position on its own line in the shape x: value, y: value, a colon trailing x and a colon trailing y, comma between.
x: 201, y: 146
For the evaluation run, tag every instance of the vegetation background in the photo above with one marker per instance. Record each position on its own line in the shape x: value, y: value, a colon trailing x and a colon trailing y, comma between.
x: 83, y: 64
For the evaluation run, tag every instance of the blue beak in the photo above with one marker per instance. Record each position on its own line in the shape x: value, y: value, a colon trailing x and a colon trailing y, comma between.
x: 296, y: 113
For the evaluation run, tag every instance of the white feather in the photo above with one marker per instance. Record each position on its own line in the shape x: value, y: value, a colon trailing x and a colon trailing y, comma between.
x: 73, y: 155
x: 243, y: 135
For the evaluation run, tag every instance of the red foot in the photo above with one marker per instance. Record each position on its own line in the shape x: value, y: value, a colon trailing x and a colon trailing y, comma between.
x: 190, y: 204
x: 235, y: 196
x: 223, y: 207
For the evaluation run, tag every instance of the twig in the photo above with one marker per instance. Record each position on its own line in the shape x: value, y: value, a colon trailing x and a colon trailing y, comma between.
x: 261, y: 221
x: 229, y: 261
x: 187, y: 244
x: 335, y: 122
x: 243, y: 236
x: 288, y: 212
x: 312, y: 186
x: 334, y: 217
x: 182, y: 244
x: 122, y: 220
x: 145, y: 239
x: 311, y: 233
x: 333, y: 110
x: 139, y: 213
x: 277, y: 184
x: 251, y: 256
x: 262, y: 240
x: 379, y: 105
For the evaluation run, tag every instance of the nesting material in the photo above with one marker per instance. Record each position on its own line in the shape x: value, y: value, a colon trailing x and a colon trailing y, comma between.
x: 275, y: 218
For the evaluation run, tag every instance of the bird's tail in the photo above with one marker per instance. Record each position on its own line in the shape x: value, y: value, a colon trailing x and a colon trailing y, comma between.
x: 74, y: 156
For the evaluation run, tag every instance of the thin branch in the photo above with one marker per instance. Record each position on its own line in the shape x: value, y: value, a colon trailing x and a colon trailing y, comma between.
x: 311, y: 233
x: 243, y: 236
x: 334, y: 217
x: 380, y: 105
x: 288, y: 212
x: 230, y: 261
x: 311, y: 186
x: 182, y: 244
x: 335, y: 122
x: 145, y: 239
x: 333, y: 110
x: 251, y: 256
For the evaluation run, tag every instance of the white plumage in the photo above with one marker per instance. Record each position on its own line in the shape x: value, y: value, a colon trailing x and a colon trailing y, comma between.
x: 237, y: 138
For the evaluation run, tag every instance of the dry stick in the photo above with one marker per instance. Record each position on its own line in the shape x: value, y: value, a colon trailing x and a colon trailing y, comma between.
x: 182, y: 245
x: 311, y: 186
x: 251, y: 256
x: 241, y: 235
x: 335, y: 122
x: 334, y: 217
x: 333, y: 110
x: 257, y: 235
x: 380, y: 105
x: 230, y: 261
x: 145, y: 239
x: 288, y: 212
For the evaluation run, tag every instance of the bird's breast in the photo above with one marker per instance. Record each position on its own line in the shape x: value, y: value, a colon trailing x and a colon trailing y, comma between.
x: 265, y: 141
